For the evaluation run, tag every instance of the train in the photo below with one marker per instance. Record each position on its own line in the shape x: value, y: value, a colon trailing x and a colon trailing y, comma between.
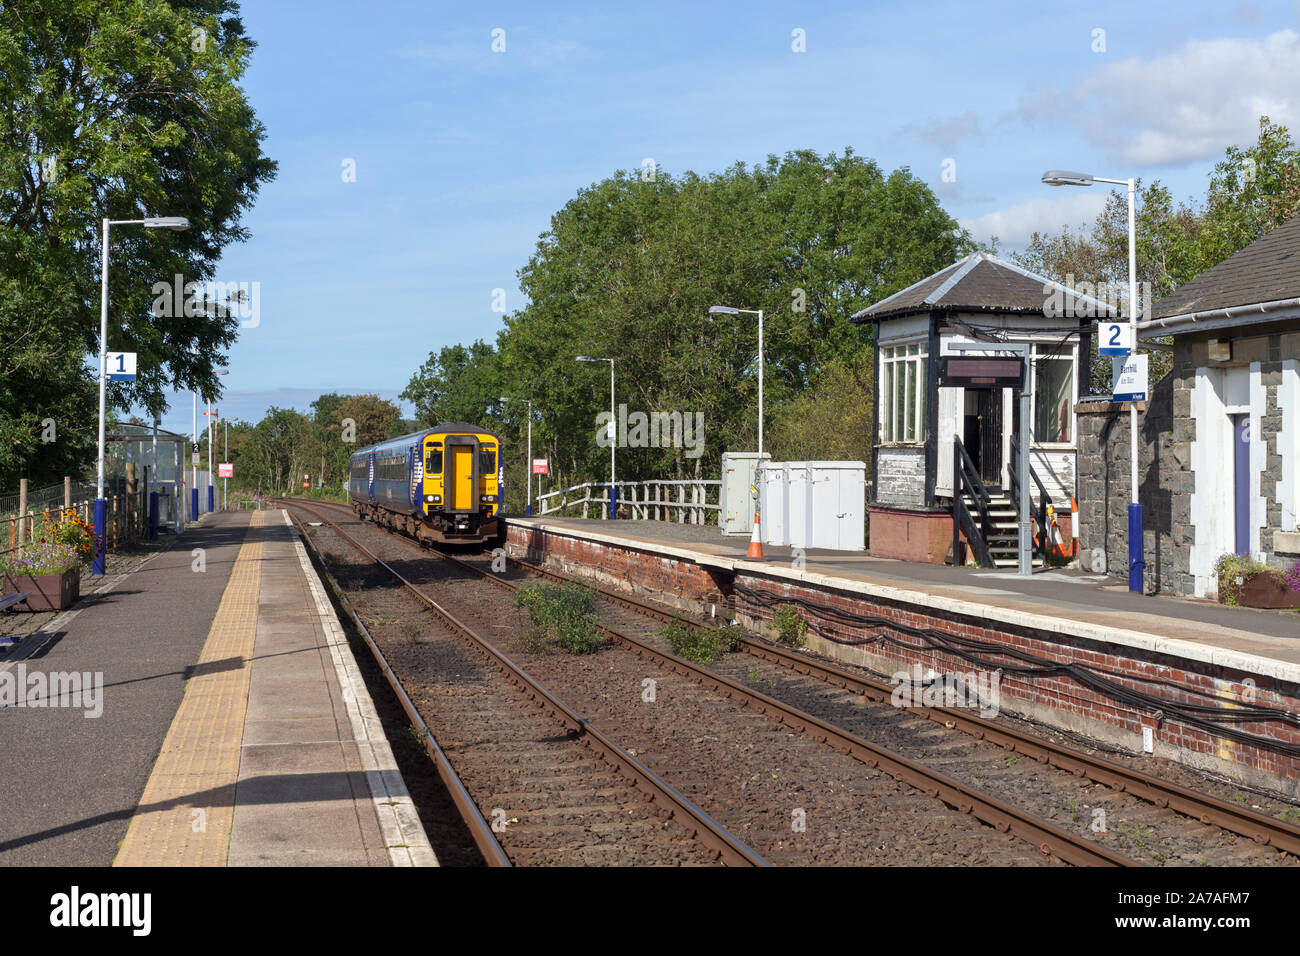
x: 441, y: 485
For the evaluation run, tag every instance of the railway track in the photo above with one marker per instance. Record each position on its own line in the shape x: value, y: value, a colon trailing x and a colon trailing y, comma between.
x: 1048, y: 838
x: 611, y: 777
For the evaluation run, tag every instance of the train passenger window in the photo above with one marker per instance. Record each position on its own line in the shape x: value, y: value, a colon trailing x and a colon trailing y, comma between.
x: 487, y: 460
x: 433, y: 463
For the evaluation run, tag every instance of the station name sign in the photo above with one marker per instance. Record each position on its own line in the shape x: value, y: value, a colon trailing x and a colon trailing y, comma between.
x: 960, y: 371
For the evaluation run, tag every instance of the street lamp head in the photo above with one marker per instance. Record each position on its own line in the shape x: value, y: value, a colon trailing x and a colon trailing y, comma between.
x: 178, y: 223
x: 723, y: 310
x: 1064, y: 177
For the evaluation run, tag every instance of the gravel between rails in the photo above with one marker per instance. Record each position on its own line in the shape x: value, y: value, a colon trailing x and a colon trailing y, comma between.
x: 794, y: 800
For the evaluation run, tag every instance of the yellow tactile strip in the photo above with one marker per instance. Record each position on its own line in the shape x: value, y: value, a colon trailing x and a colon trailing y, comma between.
x: 187, y: 810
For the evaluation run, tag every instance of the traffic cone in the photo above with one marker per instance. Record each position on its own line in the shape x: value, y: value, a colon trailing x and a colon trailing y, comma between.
x: 755, y: 542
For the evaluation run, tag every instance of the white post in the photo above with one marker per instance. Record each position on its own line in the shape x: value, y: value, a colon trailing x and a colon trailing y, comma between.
x: 103, y: 355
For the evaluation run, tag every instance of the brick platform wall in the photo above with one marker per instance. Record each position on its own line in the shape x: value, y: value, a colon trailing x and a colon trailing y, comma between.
x: 1058, y: 700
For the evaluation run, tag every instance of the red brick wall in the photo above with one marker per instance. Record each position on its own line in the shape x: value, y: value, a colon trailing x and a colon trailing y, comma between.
x: 910, y: 535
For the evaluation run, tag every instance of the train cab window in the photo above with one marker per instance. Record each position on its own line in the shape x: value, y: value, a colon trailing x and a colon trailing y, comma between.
x: 433, y: 463
x: 487, y: 460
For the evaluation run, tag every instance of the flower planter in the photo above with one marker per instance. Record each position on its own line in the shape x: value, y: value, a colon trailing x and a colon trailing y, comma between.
x: 1265, y: 590
x: 49, y: 592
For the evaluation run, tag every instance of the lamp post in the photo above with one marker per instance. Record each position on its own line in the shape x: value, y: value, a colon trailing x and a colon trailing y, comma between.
x: 1136, y: 558
x: 728, y: 310
x: 756, y: 546
x: 528, y: 471
x: 101, y: 504
x: 613, y: 433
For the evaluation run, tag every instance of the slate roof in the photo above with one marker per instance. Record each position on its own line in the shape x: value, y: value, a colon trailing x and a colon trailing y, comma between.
x: 1267, y: 270
x: 978, y: 283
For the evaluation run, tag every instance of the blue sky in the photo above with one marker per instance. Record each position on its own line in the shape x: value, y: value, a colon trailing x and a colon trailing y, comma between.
x: 462, y: 153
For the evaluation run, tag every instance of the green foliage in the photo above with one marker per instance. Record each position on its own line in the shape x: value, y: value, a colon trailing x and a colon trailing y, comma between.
x: 833, y: 419
x: 111, y: 109
x: 791, y: 629
x: 703, y: 645
x: 1232, y: 571
x: 628, y: 270
x: 563, y: 616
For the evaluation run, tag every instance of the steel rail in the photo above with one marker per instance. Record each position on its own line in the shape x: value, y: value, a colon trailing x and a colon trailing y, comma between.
x: 1207, y: 809
x: 699, y: 824
x: 1047, y: 837
x: 480, y: 830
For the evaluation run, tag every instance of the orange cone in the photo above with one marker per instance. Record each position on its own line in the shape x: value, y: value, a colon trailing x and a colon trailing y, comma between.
x: 755, y: 542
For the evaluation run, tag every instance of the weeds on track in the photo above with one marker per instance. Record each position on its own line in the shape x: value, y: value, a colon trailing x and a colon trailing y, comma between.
x: 563, y: 617
x: 790, y: 627
x: 702, y: 645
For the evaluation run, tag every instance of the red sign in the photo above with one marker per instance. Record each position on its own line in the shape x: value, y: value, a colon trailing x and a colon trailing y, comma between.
x: 306, y: 484
x: 540, y: 466
x: 225, y: 470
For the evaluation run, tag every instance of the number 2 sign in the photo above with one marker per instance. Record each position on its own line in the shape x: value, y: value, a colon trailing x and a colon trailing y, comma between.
x: 1114, y: 338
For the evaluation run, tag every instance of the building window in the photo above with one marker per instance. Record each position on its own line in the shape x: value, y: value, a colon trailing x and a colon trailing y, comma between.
x: 902, y: 392
x: 1053, y: 386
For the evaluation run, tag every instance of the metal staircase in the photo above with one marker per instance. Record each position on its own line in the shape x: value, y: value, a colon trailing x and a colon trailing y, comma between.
x: 989, y: 518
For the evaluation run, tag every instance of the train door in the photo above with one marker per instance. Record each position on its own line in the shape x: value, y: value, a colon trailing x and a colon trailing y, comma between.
x: 461, y: 478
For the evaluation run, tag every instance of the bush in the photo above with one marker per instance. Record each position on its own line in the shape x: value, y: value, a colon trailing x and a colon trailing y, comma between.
x: 563, y: 616
x: 1234, y: 570
x: 702, y: 645
x: 72, y: 531
x: 790, y: 627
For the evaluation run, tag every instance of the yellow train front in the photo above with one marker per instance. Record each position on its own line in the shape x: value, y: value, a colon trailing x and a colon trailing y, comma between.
x: 442, y: 484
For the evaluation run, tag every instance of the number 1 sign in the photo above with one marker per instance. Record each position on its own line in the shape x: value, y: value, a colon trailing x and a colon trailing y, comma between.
x: 1114, y: 338
x: 120, y: 366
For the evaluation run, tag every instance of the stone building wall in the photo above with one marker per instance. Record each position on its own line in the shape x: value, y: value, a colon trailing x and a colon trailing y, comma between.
x: 1166, y: 433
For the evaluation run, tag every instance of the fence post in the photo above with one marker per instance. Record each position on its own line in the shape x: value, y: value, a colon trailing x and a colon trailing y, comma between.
x: 22, y: 510
x: 681, y: 500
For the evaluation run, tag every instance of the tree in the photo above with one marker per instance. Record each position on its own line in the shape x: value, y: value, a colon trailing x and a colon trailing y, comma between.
x: 628, y: 271
x: 119, y: 109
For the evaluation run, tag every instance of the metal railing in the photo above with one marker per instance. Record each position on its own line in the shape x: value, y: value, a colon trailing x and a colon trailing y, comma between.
x: 638, y: 500
x: 966, y: 480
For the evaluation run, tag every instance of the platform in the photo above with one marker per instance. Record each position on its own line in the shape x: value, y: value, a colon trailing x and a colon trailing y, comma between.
x: 231, y: 726
x: 1098, y: 603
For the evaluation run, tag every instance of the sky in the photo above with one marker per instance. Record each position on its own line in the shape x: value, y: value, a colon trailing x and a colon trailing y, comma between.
x: 419, y: 165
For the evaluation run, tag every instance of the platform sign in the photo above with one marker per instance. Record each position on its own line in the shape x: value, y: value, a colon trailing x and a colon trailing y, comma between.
x: 1129, y: 378
x: 196, y: 459
x: 541, y: 466
x: 120, y: 366
x: 225, y: 470
x: 1114, y: 338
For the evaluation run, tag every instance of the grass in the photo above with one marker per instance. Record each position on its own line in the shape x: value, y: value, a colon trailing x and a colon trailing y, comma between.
x: 702, y: 645
x: 791, y: 629
x: 563, y: 618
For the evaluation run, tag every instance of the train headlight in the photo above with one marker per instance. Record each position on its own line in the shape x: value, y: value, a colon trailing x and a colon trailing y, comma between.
x: 488, y: 498
x: 433, y: 499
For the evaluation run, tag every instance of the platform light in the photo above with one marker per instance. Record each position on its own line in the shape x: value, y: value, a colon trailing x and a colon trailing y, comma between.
x: 1136, y: 558
x: 177, y: 223
x: 1064, y: 177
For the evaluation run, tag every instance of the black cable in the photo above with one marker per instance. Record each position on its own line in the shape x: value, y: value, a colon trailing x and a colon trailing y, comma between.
x: 966, y: 648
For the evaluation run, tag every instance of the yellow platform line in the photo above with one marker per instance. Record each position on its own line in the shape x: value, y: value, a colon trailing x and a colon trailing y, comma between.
x: 186, y: 814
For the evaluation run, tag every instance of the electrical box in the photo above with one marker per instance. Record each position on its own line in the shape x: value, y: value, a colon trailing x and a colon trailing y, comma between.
x: 815, y: 504
x: 735, y: 497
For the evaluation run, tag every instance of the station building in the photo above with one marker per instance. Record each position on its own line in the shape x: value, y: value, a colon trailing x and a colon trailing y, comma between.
x: 1219, y: 439
x: 922, y: 429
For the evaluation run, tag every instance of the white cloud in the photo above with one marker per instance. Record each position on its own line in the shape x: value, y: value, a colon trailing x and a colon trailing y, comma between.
x: 1185, y: 106
x: 945, y: 133
x: 1048, y: 214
